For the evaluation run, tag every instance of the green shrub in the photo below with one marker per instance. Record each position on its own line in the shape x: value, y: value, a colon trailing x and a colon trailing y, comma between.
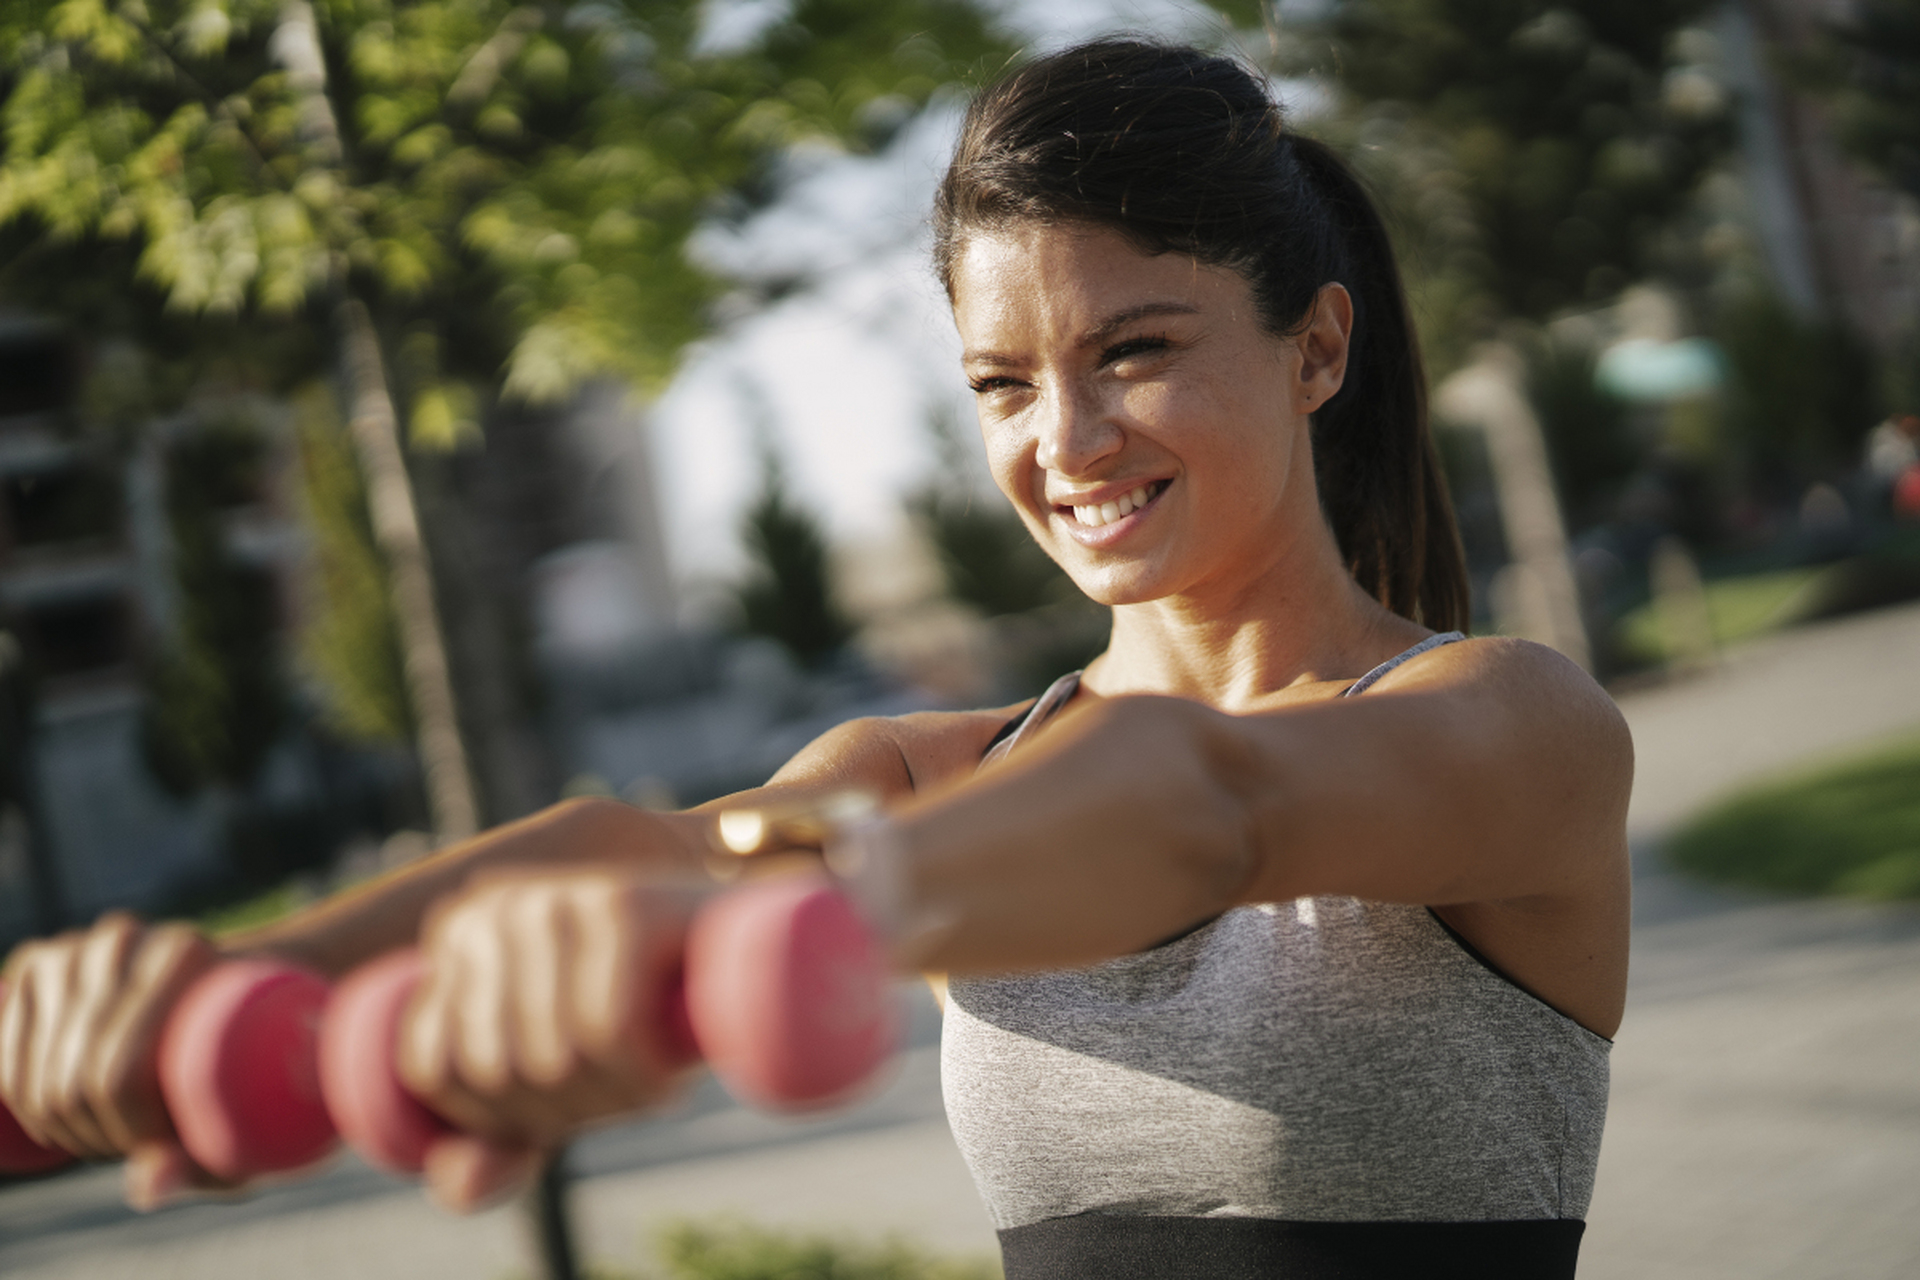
x: 731, y: 1250
x: 1850, y: 828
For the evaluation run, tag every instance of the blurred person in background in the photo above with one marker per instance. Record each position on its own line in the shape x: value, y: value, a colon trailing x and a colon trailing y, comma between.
x: 1290, y: 933
x: 1892, y: 464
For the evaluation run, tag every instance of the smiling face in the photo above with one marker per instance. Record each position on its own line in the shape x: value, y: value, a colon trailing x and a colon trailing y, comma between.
x: 1149, y: 429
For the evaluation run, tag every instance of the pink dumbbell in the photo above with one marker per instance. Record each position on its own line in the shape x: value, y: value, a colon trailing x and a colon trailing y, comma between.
x: 237, y: 1075
x: 783, y: 991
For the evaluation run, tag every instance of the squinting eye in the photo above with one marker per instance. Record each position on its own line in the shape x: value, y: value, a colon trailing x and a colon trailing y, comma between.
x: 984, y: 386
x: 1133, y: 347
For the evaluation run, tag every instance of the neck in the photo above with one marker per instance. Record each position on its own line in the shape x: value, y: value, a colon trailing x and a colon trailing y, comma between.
x: 1303, y: 621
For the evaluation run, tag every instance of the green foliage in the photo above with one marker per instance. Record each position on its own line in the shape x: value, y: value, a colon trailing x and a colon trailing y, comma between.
x: 1803, y: 392
x: 987, y: 557
x: 215, y: 701
x: 1587, y: 433
x: 352, y: 645
x: 738, y: 1251
x: 252, y: 913
x: 1557, y: 130
x: 1851, y: 828
x: 1870, y: 68
x: 524, y: 176
x: 788, y: 595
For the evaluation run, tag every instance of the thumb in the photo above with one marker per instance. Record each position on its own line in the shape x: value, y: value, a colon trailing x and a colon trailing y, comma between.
x: 465, y: 1172
x: 159, y: 1172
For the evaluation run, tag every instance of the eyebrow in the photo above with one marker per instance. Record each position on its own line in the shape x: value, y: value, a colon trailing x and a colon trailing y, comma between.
x: 1099, y: 333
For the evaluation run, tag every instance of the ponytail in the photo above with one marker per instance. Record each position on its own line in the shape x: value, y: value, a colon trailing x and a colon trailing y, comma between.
x: 1381, y: 487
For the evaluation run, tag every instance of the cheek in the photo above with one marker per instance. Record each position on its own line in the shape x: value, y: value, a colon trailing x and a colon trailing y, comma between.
x: 1010, y: 460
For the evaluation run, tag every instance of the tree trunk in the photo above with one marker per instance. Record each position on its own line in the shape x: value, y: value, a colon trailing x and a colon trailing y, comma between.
x: 375, y: 429
x: 1546, y: 599
x: 396, y: 528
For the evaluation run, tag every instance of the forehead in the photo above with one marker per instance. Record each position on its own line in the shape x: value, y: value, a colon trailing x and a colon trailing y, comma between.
x: 1067, y: 280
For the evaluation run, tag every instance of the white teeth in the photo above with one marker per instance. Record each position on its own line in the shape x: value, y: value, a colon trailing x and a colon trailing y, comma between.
x: 1107, y: 512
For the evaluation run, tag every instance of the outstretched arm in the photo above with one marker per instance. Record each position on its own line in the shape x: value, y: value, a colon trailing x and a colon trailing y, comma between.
x: 82, y: 1013
x: 1487, y: 778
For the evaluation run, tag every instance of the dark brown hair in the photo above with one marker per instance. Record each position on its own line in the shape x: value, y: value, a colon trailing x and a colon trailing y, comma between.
x: 1185, y: 152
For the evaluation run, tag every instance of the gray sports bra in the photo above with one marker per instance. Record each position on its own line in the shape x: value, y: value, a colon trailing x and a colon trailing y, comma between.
x: 1293, y: 1086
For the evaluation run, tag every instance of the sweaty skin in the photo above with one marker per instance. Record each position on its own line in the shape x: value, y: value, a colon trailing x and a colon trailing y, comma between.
x: 1154, y: 437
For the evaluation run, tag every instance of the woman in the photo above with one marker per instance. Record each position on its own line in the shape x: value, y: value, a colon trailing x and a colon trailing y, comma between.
x: 1316, y: 912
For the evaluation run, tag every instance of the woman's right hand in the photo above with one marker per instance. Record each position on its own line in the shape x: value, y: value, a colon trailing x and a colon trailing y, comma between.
x: 80, y: 1023
x: 540, y: 1013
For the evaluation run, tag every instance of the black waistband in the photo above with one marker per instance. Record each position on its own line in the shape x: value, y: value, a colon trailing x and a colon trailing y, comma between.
x: 1099, y: 1246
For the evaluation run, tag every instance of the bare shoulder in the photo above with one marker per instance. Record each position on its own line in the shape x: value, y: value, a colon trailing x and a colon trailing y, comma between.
x: 1530, y: 713
x: 1520, y: 676
x: 897, y: 755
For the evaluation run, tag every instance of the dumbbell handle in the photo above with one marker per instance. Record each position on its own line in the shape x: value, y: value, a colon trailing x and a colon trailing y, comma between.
x: 783, y: 992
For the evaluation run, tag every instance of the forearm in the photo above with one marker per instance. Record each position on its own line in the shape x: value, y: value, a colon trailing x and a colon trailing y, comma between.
x: 335, y: 935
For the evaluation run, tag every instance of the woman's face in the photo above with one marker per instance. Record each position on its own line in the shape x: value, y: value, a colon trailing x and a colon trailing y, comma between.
x: 1148, y: 428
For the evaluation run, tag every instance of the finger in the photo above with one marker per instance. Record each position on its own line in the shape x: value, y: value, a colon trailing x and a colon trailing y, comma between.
x: 51, y: 982
x: 426, y: 1058
x: 465, y: 1173
x: 547, y: 1093
x: 99, y: 979
x: 124, y: 1081
x: 17, y: 1017
x: 161, y: 1173
x: 540, y: 933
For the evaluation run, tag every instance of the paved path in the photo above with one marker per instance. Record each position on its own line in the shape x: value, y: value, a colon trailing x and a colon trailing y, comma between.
x: 1766, y: 1104
x: 1765, y: 1117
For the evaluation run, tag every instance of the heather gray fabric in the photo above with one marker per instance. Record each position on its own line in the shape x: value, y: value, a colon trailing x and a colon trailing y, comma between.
x: 1326, y: 1059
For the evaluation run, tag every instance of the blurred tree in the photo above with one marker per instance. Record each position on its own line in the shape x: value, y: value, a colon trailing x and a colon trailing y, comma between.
x: 1587, y: 430
x: 1870, y: 69
x: 506, y: 190
x: 788, y: 593
x: 215, y: 697
x: 987, y: 557
x: 352, y: 642
x: 1802, y: 395
x: 1571, y: 134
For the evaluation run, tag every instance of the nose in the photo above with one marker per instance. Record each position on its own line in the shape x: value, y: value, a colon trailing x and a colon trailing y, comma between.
x: 1076, y: 429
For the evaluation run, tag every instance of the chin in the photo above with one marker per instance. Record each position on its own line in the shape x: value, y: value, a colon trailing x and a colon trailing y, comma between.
x: 1113, y: 587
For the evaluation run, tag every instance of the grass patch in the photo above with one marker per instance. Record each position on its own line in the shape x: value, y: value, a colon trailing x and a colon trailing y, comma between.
x: 1850, y: 828
x: 264, y: 908
x: 740, y: 1251
x: 1739, y: 608
x: 730, y: 1249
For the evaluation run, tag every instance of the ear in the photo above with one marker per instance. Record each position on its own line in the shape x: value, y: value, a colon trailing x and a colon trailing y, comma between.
x: 1323, y: 347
